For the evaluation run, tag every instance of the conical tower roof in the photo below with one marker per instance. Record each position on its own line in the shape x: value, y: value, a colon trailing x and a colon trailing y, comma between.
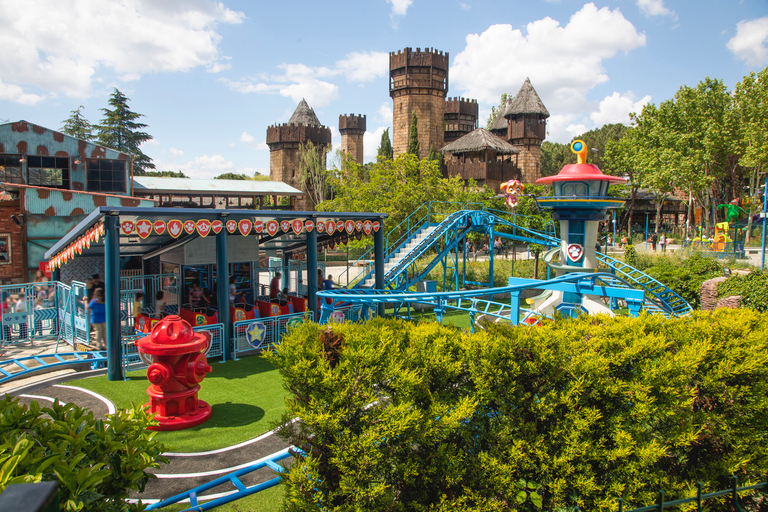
x: 526, y: 102
x: 304, y: 115
x: 478, y: 140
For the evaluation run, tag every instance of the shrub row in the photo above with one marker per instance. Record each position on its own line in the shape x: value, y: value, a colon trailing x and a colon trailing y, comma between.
x: 398, y: 416
x: 753, y: 289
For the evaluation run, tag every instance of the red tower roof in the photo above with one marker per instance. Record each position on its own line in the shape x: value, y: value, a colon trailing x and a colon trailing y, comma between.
x: 580, y: 172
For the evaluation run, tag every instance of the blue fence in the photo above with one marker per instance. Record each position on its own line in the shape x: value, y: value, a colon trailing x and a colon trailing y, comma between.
x: 260, y: 333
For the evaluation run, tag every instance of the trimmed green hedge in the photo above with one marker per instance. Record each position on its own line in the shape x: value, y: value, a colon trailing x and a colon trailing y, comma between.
x: 398, y: 416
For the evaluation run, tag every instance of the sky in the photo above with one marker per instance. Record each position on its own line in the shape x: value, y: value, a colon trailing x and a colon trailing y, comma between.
x: 210, y: 77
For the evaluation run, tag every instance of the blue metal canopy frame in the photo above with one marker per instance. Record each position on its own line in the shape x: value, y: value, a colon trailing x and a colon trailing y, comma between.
x: 113, y: 240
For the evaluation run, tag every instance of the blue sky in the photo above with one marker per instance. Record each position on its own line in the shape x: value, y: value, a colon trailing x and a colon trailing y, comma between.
x: 211, y: 76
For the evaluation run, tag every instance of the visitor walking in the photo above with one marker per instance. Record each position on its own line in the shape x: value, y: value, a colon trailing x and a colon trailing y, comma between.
x: 99, y: 318
x: 663, y: 242
x: 654, y: 239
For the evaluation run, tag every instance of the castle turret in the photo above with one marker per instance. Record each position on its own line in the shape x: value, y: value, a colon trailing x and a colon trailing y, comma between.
x: 460, y: 118
x: 284, y: 141
x: 418, y: 82
x: 526, y: 129
x: 352, y: 129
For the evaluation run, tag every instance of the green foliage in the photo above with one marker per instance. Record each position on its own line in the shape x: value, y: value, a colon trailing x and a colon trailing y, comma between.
x: 685, y: 276
x: 232, y: 176
x: 96, y: 462
x: 386, y: 152
x: 752, y: 287
x: 495, y: 111
x: 313, y: 175
x: 630, y: 256
x: 413, y: 136
x: 165, y: 174
x: 421, y: 417
x: 119, y: 130
x: 78, y: 126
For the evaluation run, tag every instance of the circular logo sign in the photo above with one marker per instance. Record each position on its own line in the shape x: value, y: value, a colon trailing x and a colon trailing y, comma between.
x: 575, y: 252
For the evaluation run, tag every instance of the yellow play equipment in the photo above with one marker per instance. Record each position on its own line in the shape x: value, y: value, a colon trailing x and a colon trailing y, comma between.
x: 721, y: 239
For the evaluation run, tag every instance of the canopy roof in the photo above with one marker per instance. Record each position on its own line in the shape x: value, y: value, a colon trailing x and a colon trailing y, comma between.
x: 478, y: 140
x: 152, y: 184
x: 134, y: 245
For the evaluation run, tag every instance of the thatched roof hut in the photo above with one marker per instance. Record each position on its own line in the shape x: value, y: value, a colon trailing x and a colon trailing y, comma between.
x: 526, y: 102
x: 477, y: 140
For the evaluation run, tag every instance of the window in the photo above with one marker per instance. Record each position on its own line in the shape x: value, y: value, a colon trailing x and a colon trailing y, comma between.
x: 5, y: 249
x: 48, y: 171
x: 106, y: 175
x: 10, y: 169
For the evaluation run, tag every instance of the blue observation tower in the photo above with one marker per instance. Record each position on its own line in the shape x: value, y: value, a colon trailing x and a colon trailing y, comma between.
x: 579, y: 202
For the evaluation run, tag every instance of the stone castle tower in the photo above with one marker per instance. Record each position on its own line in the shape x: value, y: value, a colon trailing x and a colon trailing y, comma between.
x: 418, y: 82
x: 460, y: 118
x: 523, y: 123
x: 352, y: 129
x: 284, y: 140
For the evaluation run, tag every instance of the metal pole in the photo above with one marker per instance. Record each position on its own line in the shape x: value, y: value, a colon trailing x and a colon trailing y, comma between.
x: 614, y: 227
x: 765, y: 210
x: 378, y: 261
x: 490, y: 256
x: 646, y: 231
x: 112, y: 296
x: 222, y: 289
x: 312, y: 273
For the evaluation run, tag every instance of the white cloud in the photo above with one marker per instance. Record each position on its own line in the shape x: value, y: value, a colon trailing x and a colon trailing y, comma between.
x: 617, y: 107
x: 749, y: 43
x: 400, y: 7
x: 385, y: 113
x: 563, y: 62
x: 465, y: 7
x: 207, y: 167
x: 371, y: 141
x: 299, y: 81
x: 175, y: 152
x: 249, y: 140
x: 364, y: 66
x: 63, y: 48
x: 9, y: 92
x: 654, y: 8
x: 576, y: 129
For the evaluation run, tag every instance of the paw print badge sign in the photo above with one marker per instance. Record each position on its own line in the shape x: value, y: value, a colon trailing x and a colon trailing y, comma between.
x: 575, y: 252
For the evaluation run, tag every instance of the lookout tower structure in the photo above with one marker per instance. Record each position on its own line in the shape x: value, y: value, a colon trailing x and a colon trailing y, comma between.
x: 526, y: 118
x: 418, y: 82
x: 460, y: 118
x: 352, y: 129
x: 284, y: 141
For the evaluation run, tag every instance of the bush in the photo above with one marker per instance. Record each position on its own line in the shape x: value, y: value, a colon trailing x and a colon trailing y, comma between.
x: 685, y: 276
x: 398, y: 416
x: 96, y: 462
x: 752, y: 287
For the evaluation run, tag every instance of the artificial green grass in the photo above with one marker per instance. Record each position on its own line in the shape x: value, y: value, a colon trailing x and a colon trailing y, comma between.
x: 268, y: 500
x: 247, y: 399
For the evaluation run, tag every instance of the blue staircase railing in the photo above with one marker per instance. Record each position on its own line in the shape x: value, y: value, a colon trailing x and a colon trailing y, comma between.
x: 25, y: 366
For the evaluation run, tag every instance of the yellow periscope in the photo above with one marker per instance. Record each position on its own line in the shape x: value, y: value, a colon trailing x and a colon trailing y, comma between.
x: 580, y: 149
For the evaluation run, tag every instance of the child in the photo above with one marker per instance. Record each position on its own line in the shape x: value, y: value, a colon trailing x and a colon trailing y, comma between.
x: 138, y: 304
x: 160, y: 304
x: 99, y: 318
x: 21, y: 307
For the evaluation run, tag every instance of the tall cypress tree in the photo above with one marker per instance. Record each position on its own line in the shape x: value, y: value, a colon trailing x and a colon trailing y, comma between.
x: 119, y: 130
x: 413, y: 139
x: 385, y: 147
x: 78, y: 126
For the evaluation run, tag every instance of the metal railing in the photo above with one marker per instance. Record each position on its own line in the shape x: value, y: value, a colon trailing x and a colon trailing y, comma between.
x: 261, y: 333
x: 732, y: 493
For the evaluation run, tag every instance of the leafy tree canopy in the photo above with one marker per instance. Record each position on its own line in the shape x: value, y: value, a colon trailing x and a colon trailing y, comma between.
x: 77, y: 126
x: 119, y: 130
x: 385, y: 147
x: 231, y: 176
x: 413, y: 136
x: 165, y: 174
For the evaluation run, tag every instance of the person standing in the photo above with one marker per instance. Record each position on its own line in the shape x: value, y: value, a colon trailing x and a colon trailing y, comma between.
x: 99, y: 318
x: 653, y: 241
x: 663, y: 242
x: 232, y: 290
x: 274, y: 287
x: 21, y: 307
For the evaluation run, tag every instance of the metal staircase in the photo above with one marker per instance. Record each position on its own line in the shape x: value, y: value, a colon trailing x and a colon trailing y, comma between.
x: 394, y: 259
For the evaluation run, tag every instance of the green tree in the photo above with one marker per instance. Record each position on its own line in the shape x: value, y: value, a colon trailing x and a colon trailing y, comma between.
x: 313, y: 174
x: 119, y: 130
x: 385, y: 147
x: 554, y: 156
x: 166, y: 174
x: 413, y: 136
x: 495, y: 111
x: 231, y: 176
x: 78, y: 126
x: 751, y: 108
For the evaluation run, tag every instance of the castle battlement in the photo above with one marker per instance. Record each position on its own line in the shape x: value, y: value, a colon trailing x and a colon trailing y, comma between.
x: 352, y: 122
x: 290, y: 132
x: 462, y: 106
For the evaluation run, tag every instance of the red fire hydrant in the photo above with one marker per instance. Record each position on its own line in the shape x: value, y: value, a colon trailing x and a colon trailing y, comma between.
x: 178, y: 366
